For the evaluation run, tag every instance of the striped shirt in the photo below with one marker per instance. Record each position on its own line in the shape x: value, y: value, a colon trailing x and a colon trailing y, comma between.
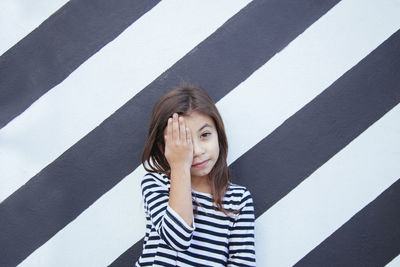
x: 215, y: 239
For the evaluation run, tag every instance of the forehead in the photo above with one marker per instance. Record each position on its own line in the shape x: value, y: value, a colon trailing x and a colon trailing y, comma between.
x: 197, y: 119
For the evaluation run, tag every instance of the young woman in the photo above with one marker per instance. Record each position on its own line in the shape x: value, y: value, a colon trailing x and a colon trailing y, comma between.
x: 195, y: 215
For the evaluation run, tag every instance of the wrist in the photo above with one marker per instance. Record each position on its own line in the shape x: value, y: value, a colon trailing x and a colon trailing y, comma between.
x: 180, y: 167
x: 180, y: 170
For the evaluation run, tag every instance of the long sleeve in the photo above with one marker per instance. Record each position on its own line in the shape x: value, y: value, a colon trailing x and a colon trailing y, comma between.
x: 241, y: 239
x: 169, y: 225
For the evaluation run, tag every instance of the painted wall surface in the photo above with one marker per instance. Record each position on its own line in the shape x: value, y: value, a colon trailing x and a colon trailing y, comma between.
x: 309, y: 91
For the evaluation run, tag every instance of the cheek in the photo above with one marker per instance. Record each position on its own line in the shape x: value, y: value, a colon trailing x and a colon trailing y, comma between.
x: 215, y: 147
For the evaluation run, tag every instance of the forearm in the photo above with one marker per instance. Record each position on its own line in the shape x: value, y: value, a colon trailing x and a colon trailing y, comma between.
x: 170, y: 226
x: 180, y: 196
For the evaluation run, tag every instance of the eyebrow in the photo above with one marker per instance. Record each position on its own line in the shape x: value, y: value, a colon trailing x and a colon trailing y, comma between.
x: 204, y: 126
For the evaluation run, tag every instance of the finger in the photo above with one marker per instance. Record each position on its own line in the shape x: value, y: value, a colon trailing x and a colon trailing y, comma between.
x: 188, y: 136
x: 182, y: 129
x: 169, y: 129
x: 175, y: 128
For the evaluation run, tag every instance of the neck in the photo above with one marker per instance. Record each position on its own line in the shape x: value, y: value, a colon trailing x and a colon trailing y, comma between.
x: 200, y: 183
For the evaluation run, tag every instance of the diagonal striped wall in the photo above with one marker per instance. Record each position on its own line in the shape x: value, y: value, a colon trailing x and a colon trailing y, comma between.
x: 308, y: 90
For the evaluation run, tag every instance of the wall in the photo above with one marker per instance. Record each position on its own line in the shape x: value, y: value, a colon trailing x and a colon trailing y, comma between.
x: 308, y: 90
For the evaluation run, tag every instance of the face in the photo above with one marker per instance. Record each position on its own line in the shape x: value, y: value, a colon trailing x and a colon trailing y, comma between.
x: 205, y: 143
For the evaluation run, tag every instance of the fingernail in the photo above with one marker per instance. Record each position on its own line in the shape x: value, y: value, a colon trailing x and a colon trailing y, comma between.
x: 175, y: 115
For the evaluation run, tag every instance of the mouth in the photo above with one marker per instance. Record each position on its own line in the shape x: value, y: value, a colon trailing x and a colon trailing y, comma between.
x: 200, y: 164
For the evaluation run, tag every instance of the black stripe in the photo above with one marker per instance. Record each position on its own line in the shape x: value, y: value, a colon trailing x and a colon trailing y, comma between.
x: 148, y: 188
x: 210, y: 241
x: 319, y: 130
x: 160, y: 199
x: 161, y: 263
x: 154, y: 237
x: 212, y: 224
x: 241, y: 235
x: 369, y: 238
x: 168, y: 239
x: 46, y: 56
x: 243, y: 220
x: 191, y: 263
x: 126, y: 258
x: 215, y: 216
x: 177, y: 231
x: 88, y: 170
x: 210, y: 232
x: 240, y: 228
x: 153, y: 176
x: 242, y: 243
x: 249, y: 251
x: 153, y: 246
x: 205, y: 248
x: 153, y: 216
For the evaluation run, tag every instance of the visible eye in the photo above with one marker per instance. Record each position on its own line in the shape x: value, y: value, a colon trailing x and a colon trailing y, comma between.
x: 206, y: 134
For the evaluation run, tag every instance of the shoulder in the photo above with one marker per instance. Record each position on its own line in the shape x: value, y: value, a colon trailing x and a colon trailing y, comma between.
x: 155, y: 179
x: 240, y: 193
x: 238, y: 189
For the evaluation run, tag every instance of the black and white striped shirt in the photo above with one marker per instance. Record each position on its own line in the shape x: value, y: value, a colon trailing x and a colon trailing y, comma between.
x: 215, y: 239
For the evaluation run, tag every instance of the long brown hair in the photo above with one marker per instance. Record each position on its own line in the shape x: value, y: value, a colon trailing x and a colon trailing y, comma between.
x: 183, y: 100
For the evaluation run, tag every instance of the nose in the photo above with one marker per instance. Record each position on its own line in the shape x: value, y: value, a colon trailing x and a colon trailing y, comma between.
x: 198, y: 148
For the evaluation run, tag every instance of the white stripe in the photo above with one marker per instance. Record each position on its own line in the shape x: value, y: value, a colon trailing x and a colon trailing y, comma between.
x: 394, y: 263
x: 213, y: 220
x: 344, y: 23
x: 331, y: 195
x: 19, y: 17
x: 103, y: 84
x: 205, y: 262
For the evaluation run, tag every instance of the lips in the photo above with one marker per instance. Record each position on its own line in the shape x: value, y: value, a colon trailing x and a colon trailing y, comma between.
x: 200, y: 164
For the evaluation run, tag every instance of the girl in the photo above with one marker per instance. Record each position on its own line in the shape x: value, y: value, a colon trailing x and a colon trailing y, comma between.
x: 195, y: 215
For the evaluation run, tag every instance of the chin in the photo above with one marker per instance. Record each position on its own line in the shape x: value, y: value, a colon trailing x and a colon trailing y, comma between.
x: 200, y: 172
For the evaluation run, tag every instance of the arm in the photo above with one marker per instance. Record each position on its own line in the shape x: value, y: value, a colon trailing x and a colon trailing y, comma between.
x: 169, y: 225
x: 172, y: 212
x: 241, y: 238
x: 179, y: 154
